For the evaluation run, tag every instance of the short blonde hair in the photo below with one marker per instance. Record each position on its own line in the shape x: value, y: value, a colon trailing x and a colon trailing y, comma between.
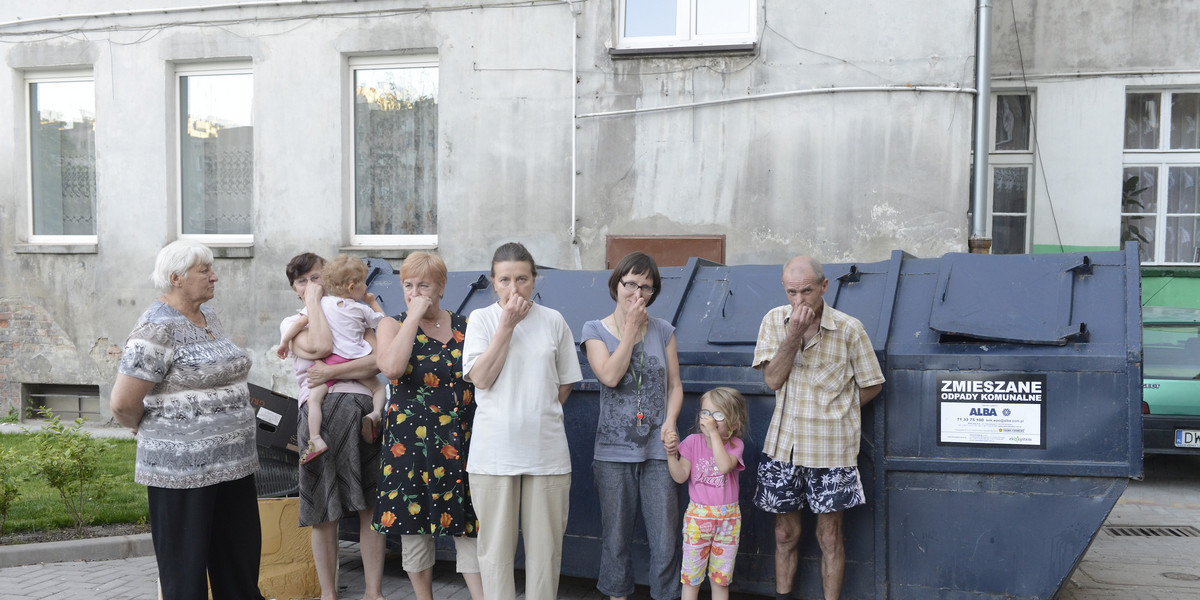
x: 177, y: 258
x: 341, y: 273
x: 730, y: 401
x: 424, y: 264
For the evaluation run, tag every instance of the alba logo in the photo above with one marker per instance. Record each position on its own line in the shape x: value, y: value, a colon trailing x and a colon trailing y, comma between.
x: 983, y: 412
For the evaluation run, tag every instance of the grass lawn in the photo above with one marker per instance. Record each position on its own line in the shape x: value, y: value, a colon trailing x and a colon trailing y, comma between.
x: 40, y: 506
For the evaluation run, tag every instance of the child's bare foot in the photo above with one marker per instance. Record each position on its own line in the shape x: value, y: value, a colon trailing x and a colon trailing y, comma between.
x: 316, y: 447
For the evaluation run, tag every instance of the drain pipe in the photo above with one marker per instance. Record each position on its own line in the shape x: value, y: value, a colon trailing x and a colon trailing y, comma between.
x: 572, y: 230
x: 979, y: 243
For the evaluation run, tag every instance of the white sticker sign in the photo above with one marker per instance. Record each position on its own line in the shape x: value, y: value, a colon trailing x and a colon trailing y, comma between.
x: 269, y: 416
x: 992, y: 409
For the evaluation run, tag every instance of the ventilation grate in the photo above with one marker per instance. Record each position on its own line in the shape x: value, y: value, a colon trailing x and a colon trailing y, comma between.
x: 1152, y: 531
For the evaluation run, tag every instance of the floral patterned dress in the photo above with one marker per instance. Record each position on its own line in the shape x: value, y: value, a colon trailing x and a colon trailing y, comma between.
x: 423, y: 480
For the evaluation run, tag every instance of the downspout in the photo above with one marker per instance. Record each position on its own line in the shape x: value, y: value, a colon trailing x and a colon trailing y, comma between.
x: 571, y: 231
x: 979, y: 243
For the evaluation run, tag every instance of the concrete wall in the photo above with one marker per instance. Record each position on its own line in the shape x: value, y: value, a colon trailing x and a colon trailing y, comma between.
x: 847, y: 175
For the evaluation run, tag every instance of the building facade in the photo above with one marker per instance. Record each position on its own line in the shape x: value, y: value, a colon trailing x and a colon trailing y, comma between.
x: 373, y: 128
x: 1103, y: 142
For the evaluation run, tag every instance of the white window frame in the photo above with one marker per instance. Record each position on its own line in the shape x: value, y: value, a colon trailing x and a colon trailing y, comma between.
x: 1163, y: 158
x: 185, y: 70
x: 1012, y: 158
x: 55, y: 77
x: 685, y: 31
x: 410, y: 241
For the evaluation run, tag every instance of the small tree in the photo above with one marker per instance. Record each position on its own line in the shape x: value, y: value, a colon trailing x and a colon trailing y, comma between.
x: 68, y: 459
x: 9, y: 492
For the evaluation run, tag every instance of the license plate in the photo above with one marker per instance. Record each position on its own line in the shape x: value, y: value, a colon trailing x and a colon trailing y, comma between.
x: 1187, y: 438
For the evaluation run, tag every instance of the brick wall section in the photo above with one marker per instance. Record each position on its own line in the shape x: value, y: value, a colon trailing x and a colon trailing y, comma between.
x: 34, y: 349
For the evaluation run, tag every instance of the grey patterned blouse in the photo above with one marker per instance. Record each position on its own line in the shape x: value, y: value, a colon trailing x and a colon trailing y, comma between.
x: 198, y: 428
x: 618, y: 438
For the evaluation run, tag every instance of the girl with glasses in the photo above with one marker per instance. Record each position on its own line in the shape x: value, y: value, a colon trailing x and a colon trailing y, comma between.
x: 709, y: 461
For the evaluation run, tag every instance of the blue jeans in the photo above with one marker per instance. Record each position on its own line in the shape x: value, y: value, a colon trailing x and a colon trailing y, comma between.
x: 622, y: 488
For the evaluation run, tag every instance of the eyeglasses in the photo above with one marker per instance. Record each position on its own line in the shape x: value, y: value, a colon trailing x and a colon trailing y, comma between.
x: 630, y: 286
x: 315, y: 278
x: 715, y: 414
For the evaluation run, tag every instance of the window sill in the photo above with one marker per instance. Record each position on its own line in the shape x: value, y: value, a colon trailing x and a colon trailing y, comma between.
x: 55, y: 248
x: 386, y: 252
x: 241, y: 251
x: 683, y: 51
x: 1170, y: 270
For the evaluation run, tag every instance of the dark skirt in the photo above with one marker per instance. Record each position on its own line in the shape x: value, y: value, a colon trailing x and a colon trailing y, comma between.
x: 343, y: 480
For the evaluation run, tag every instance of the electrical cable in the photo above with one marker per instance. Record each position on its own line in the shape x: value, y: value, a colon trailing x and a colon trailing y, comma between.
x: 1037, y: 150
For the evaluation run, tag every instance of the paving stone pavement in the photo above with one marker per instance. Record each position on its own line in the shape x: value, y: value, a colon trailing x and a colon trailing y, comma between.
x: 128, y: 579
x: 1147, y: 568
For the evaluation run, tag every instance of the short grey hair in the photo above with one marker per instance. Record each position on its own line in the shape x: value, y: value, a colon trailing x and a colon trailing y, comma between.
x: 814, y: 266
x: 176, y: 258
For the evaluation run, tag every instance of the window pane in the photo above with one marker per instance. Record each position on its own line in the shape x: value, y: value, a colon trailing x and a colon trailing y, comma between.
x: 1185, y: 112
x: 1010, y: 189
x: 1182, y: 191
x: 1141, y: 121
x: 1012, y: 122
x: 722, y: 17
x: 1008, y: 234
x: 1139, y: 194
x: 1171, y: 352
x: 395, y: 151
x: 644, y: 18
x: 1140, y: 229
x: 1181, y: 243
x: 63, y: 154
x: 216, y: 153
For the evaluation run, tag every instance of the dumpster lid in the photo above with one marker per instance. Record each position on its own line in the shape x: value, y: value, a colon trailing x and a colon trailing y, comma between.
x: 1003, y: 298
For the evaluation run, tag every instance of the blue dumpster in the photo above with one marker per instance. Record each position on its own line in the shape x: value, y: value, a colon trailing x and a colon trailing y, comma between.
x: 1006, y: 432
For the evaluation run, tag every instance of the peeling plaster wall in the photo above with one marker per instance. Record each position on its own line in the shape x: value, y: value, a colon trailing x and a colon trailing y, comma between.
x: 846, y: 175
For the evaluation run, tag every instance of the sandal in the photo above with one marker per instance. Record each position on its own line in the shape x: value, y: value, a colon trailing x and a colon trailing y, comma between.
x: 312, y: 452
x: 369, y: 430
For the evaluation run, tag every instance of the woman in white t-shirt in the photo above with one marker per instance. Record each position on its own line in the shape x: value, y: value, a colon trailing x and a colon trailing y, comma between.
x: 521, y: 358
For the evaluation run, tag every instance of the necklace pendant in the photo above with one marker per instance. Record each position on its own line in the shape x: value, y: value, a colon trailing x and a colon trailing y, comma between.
x: 642, y: 429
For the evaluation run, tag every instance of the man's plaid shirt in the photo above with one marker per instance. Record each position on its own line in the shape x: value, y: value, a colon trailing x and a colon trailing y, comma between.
x: 817, y: 421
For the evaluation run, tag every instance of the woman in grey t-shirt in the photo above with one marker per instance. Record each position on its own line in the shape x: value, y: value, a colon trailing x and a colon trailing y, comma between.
x: 182, y: 387
x: 634, y: 356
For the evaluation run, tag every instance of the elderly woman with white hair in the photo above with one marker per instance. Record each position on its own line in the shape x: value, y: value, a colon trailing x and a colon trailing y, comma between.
x: 182, y: 387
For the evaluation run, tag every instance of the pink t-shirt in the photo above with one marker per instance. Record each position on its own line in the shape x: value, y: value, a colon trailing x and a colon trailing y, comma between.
x: 707, y: 484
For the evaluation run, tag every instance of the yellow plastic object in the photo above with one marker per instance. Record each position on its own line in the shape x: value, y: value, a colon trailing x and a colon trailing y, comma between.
x: 288, y: 569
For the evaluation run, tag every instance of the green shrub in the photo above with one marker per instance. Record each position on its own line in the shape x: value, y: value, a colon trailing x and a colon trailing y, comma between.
x: 9, y: 492
x: 68, y: 460
x: 40, y: 508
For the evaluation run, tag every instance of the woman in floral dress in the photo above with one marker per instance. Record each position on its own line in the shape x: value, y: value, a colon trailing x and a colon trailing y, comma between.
x: 423, y: 488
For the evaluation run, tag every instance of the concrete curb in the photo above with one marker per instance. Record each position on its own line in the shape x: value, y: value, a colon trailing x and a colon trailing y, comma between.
x: 102, y: 548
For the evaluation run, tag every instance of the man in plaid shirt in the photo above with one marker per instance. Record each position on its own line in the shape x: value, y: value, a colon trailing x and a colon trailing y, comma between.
x: 821, y: 365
